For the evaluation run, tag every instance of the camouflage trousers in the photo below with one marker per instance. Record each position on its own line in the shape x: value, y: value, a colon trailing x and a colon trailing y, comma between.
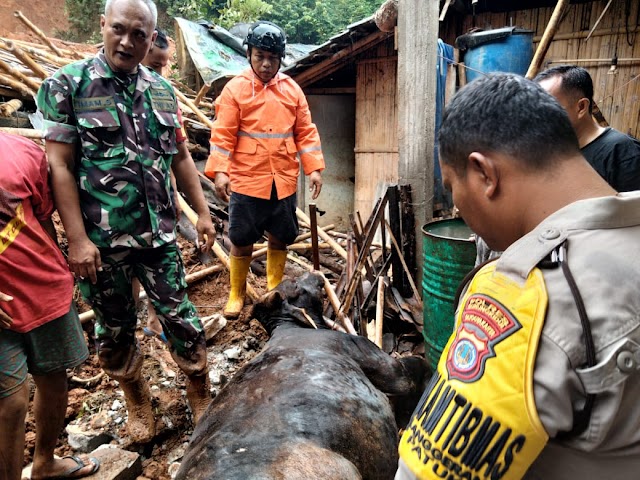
x: 161, y: 273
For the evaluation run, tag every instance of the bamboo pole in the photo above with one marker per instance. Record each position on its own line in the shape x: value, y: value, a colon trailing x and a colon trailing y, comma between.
x: 18, y: 75
x: 197, y: 112
x: 49, y: 58
x: 299, y: 238
x: 294, y: 247
x: 18, y: 14
x: 184, y: 87
x: 65, y: 52
x: 192, y: 277
x: 7, y: 109
x: 217, y: 249
x: 379, y: 312
x: 203, y: 91
x: 17, y: 86
x: 547, y: 37
x: 24, y: 132
x: 25, y: 58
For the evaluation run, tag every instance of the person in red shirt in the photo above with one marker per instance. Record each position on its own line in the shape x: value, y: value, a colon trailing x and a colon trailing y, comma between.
x: 262, y: 133
x: 40, y: 332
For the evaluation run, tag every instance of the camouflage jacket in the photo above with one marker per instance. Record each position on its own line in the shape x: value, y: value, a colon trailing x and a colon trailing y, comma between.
x: 125, y: 131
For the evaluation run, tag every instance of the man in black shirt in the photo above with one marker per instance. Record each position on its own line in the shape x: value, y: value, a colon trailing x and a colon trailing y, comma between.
x: 614, y: 155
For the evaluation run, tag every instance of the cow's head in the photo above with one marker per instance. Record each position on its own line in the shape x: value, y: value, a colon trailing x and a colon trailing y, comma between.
x: 295, y: 301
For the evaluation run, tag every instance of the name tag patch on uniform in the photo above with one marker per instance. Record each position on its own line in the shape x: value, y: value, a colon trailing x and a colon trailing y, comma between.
x: 485, y: 322
x: 92, y: 103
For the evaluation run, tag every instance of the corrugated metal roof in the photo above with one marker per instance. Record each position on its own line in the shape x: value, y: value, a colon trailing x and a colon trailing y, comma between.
x: 351, y: 35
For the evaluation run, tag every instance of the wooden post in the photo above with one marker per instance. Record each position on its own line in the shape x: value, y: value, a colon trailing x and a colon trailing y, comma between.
x: 324, y: 235
x: 314, y: 236
x: 547, y: 37
x: 417, y: 55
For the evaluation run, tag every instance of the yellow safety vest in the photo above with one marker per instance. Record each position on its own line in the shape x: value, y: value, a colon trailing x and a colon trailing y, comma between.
x: 478, y: 419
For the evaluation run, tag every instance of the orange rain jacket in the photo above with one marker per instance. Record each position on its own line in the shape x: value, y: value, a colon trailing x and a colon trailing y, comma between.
x: 260, y: 135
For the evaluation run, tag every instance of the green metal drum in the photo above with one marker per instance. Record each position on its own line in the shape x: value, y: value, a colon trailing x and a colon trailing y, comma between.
x: 449, y: 254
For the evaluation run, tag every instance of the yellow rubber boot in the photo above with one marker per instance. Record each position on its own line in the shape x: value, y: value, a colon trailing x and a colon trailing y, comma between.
x: 275, y: 267
x: 238, y: 270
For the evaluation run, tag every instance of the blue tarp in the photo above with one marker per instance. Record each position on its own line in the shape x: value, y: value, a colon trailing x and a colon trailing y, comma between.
x: 217, y: 53
x: 445, y: 57
x: 212, y: 58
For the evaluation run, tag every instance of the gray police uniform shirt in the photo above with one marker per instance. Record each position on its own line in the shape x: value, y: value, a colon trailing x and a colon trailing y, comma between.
x: 603, y: 254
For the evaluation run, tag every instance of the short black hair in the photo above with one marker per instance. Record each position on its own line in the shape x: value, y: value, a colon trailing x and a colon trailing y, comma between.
x: 576, y: 81
x: 161, y: 40
x: 505, y: 113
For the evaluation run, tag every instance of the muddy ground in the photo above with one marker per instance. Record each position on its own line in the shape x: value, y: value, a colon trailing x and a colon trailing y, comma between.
x: 99, y: 404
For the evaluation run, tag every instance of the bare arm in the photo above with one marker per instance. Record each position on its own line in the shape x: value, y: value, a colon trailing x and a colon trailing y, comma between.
x: 84, y: 256
x: 47, y: 226
x: 5, y: 320
x: 187, y: 177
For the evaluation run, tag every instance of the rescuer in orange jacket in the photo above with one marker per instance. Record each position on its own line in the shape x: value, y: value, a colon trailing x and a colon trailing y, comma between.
x: 262, y: 132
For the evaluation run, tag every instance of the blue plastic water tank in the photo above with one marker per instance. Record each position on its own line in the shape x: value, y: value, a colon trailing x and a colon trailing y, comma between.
x: 507, y: 49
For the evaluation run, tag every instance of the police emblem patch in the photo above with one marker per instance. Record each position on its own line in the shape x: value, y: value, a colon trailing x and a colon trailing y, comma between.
x: 485, y: 322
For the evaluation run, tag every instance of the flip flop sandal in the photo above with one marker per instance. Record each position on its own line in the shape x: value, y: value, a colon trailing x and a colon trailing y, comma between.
x: 93, y: 462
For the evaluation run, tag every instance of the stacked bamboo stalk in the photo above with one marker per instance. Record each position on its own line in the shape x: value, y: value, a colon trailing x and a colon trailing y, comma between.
x: 23, y: 66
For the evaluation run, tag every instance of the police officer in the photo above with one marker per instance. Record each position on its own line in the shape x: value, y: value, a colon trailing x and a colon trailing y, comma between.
x: 111, y: 139
x: 262, y: 126
x: 541, y: 376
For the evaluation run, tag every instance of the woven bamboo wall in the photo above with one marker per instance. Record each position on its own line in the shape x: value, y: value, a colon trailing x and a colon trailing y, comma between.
x: 618, y: 94
x: 376, y: 126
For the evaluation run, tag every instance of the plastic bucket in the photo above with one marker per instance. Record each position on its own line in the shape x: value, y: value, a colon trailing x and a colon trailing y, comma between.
x: 449, y: 254
x: 502, y: 50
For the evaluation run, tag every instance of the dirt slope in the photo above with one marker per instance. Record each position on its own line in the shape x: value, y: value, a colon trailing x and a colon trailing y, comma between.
x: 48, y: 15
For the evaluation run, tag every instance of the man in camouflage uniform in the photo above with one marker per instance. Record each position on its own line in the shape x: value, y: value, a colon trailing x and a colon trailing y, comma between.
x: 110, y: 128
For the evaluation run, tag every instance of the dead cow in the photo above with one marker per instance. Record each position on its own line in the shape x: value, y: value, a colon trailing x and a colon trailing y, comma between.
x: 311, y: 405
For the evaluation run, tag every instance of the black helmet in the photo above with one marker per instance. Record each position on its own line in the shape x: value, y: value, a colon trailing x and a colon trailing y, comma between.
x: 267, y: 36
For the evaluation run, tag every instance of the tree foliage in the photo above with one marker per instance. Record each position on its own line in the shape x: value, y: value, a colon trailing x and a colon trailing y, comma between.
x: 315, y: 21
x: 305, y: 21
x: 242, y: 11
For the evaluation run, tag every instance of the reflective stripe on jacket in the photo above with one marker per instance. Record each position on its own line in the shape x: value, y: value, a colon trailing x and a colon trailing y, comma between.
x: 261, y: 134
